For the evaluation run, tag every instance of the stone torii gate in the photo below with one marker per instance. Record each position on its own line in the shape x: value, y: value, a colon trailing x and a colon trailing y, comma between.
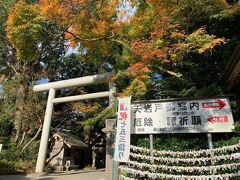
x: 52, y: 87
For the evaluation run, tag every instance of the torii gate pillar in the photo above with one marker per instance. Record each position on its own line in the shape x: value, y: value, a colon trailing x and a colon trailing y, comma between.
x: 45, y: 133
x: 51, y: 87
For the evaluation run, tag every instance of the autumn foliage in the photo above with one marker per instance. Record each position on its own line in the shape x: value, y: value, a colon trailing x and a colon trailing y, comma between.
x: 157, y: 49
x: 24, y: 29
x: 156, y: 34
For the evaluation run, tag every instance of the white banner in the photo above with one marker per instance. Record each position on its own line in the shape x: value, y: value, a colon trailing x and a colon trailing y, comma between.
x: 182, y: 116
x: 122, y: 143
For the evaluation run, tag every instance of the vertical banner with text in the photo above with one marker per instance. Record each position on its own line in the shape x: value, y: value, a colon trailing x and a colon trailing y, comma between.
x: 122, y: 143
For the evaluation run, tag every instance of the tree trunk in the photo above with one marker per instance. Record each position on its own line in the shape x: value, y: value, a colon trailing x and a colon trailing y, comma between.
x: 87, y: 136
x: 20, y: 104
x: 19, y: 108
x: 35, y: 137
x: 22, y: 140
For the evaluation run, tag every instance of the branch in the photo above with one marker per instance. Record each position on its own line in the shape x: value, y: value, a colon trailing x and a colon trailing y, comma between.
x: 12, y: 67
x: 123, y: 44
x: 148, y: 4
x: 23, y: 137
x: 59, y: 124
x: 35, y: 137
x: 178, y: 75
x: 39, y: 129
x: 91, y: 39
x: 117, y: 40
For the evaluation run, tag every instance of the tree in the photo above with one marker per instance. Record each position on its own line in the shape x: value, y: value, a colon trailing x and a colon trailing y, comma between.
x: 33, y: 49
x: 159, y: 38
x: 164, y: 48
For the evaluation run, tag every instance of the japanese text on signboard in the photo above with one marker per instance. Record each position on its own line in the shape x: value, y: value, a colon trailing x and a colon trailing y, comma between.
x: 213, y: 115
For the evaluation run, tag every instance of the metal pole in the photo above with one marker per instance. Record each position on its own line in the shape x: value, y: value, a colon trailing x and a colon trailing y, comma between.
x: 210, y: 143
x: 45, y: 133
x: 151, y: 147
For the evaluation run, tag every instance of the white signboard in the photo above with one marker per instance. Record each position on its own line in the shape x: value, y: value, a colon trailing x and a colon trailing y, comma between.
x: 183, y: 116
x: 122, y: 143
x: 0, y: 147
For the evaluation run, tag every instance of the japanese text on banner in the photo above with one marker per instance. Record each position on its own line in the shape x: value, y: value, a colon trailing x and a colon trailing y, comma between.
x: 122, y: 144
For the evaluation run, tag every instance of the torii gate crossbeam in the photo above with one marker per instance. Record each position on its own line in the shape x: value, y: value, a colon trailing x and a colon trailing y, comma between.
x: 52, y: 87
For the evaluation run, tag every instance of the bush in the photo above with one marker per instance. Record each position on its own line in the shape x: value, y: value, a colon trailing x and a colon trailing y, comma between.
x: 7, y: 167
x: 174, y: 142
x: 185, y: 142
x: 12, y: 161
x: 233, y: 140
x: 25, y: 167
x: 6, y: 125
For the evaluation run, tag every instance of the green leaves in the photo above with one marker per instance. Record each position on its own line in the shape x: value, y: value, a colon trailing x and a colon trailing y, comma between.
x: 198, y: 42
x: 24, y: 29
x: 6, y: 125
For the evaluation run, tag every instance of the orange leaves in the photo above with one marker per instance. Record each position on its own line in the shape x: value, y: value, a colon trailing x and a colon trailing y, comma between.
x: 91, y: 22
x: 140, y: 66
x: 108, y: 9
x: 68, y: 35
x: 177, y: 35
x: 100, y: 27
x: 139, y: 47
x: 139, y: 70
x: 84, y: 16
x: 149, y: 50
x: 86, y: 108
x: 152, y: 28
x: 55, y: 10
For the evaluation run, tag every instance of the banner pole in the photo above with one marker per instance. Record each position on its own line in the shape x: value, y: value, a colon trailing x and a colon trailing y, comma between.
x: 114, y: 135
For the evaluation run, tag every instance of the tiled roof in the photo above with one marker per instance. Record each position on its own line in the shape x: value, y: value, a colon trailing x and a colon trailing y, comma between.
x: 71, y: 140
